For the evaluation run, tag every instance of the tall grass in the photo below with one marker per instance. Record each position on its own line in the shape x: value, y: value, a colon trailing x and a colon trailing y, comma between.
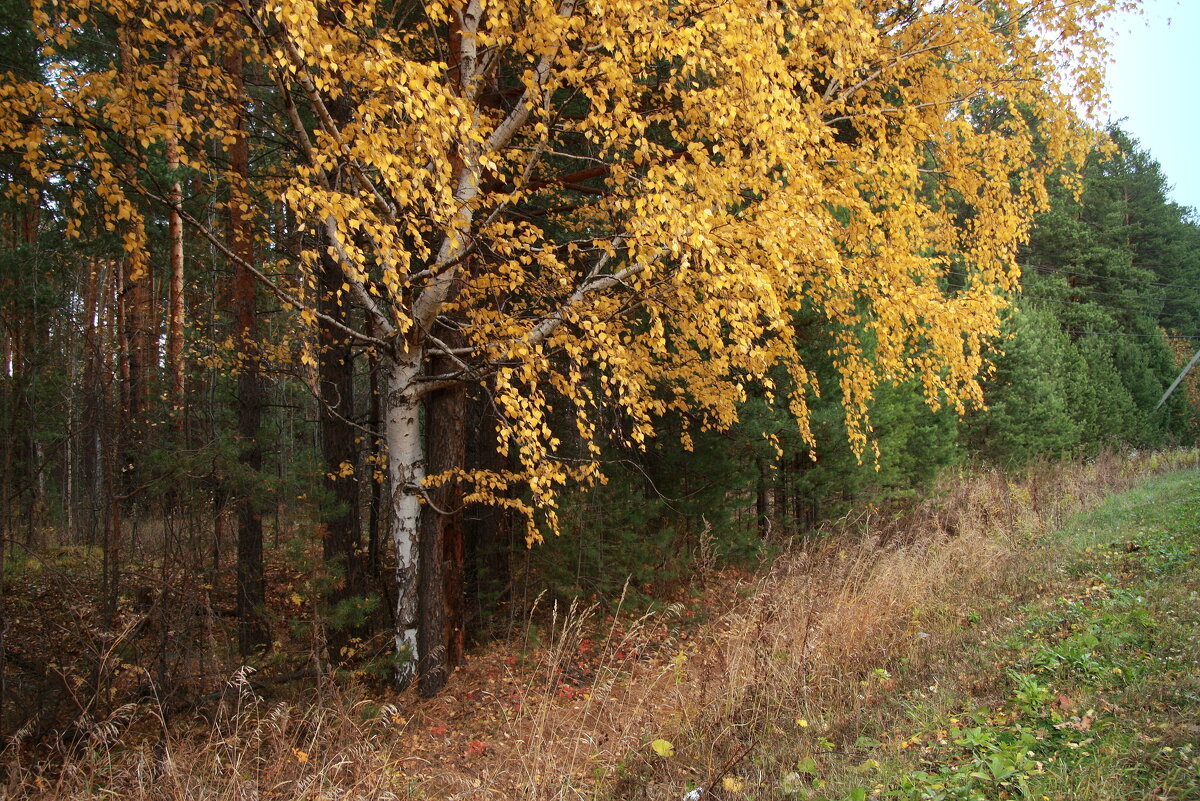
x: 817, y: 637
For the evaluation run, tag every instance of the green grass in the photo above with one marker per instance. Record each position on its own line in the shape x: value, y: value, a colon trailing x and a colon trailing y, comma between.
x: 1089, y: 691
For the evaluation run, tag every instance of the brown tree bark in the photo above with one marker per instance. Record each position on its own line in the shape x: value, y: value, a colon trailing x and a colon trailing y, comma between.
x: 762, y: 500
x: 488, y: 529
x: 6, y: 464
x: 442, y: 636
x: 109, y: 439
x: 782, y: 488
x: 338, y: 446
x: 377, y: 515
x: 139, y: 326
x: 806, y: 511
x: 90, y: 410
x: 175, y: 310
x: 251, y: 583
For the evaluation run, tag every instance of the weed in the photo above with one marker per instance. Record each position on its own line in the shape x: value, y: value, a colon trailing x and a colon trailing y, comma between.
x: 840, y: 672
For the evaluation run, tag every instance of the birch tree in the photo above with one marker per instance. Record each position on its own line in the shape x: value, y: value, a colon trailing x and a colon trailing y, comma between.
x: 614, y: 202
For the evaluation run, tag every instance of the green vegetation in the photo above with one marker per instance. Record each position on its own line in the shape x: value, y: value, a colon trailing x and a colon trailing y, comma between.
x: 1107, y: 279
x: 1106, y: 317
x: 986, y: 653
x: 1089, y: 691
x: 292, y: 350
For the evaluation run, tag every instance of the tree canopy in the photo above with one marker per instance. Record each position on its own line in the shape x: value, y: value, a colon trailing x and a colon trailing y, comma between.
x: 580, y: 206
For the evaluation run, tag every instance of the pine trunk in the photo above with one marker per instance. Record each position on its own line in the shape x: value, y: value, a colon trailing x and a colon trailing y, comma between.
x: 441, y: 637
x: 138, y: 326
x: 762, y: 501
x: 338, y: 445
x: 251, y: 583
x: 175, y: 312
x: 377, y: 514
x: 488, y: 529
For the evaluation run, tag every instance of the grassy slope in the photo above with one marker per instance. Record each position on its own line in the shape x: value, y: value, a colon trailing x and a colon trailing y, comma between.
x: 992, y: 642
x: 1091, y: 690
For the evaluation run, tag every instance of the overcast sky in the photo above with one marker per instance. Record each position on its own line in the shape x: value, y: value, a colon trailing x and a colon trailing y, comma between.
x: 1154, y: 83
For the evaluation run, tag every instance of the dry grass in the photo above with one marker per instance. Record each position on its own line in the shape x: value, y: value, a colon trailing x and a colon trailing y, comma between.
x: 819, y: 636
x: 324, y: 747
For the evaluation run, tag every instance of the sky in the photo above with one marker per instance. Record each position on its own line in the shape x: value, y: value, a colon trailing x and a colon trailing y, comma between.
x: 1154, y: 84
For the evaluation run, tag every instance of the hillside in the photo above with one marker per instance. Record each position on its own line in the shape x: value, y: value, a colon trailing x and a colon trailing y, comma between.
x: 1008, y: 637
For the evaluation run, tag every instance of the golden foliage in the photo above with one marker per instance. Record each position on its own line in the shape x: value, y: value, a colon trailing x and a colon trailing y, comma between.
x: 630, y: 202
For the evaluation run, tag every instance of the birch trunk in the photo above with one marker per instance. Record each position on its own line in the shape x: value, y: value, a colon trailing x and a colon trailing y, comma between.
x: 406, y: 471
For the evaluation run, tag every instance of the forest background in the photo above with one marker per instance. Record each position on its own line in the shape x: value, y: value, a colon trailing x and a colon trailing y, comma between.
x: 250, y: 250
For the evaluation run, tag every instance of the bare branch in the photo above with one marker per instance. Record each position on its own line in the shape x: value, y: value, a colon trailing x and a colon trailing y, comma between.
x: 594, y: 283
x: 285, y: 296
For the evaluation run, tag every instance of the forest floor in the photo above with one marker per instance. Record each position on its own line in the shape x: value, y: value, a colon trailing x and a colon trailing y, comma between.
x: 1034, y: 637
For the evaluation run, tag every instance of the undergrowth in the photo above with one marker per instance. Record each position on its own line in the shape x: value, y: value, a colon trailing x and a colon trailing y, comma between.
x: 1088, y: 692
x: 885, y: 658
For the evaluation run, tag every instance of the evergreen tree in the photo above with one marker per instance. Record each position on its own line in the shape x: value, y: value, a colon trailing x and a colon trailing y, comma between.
x: 1030, y: 395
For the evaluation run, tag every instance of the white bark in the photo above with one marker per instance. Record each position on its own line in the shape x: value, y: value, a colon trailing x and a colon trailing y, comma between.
x: 406, y: 446
x: 406, y: 470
